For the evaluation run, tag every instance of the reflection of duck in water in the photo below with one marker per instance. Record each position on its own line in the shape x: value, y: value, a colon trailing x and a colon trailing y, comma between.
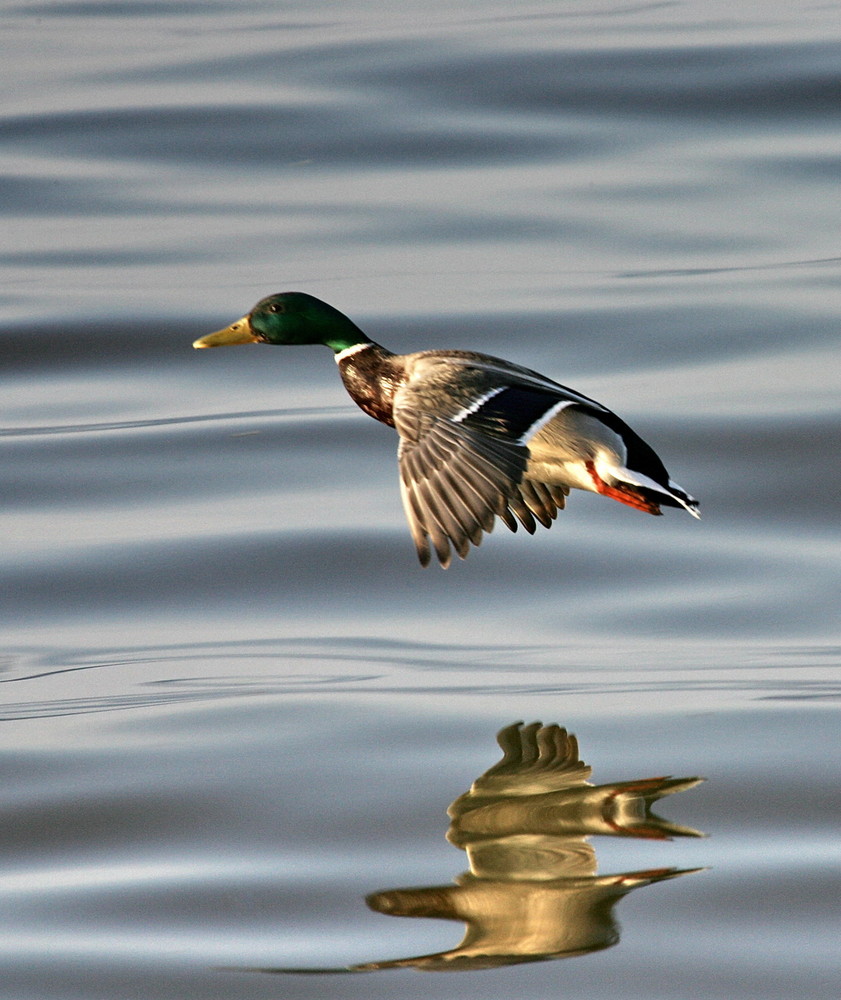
x: 532, y: 892
x: 480, y: 437
x: 540, y: 787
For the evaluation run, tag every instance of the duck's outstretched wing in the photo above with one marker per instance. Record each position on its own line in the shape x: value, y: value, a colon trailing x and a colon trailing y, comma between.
x: 463, y: 459
x: 453, y: 483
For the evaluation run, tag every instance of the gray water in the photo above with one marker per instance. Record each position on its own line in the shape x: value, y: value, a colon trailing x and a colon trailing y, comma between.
x: 233, y: 706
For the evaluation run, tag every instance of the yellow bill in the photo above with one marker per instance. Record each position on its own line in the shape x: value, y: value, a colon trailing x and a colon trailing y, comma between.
x: 237, y: 333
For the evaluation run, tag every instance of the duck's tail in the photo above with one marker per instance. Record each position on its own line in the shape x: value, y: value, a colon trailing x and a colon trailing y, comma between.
x: 640, y: 492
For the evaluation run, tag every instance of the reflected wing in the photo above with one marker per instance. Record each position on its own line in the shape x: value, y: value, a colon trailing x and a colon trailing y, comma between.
x: 536, y: 759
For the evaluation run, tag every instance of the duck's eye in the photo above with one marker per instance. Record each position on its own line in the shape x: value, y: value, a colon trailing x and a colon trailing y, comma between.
x: 277, y: 307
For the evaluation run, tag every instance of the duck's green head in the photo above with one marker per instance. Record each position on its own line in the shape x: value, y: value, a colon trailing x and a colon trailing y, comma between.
x: 289, y: 318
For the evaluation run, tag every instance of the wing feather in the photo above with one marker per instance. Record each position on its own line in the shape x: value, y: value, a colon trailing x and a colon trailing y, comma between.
x: 463, y: 453
x: 520, y: 508
x: 559, y: 495
x: 453, y: 483
x: 540, y: 503
x: 442, y: 522
x: 476, y: 515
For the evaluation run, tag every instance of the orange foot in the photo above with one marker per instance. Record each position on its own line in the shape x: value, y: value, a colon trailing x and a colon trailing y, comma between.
x: 623, y: 492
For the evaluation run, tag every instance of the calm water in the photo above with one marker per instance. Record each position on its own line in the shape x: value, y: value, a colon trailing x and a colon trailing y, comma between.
x: 233, y: 706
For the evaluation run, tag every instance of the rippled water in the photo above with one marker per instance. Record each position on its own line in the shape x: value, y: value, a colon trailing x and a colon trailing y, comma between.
x: 234, y: 708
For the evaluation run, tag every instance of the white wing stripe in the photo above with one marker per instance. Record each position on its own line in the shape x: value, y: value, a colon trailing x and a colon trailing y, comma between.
x: 477, y: 403
x: 543, y: 420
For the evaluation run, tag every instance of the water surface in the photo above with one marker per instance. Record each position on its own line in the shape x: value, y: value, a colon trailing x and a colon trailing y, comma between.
x: 234, y: 708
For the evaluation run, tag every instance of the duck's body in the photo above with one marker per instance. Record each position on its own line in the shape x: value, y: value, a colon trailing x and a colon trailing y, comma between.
x: 480, y: 437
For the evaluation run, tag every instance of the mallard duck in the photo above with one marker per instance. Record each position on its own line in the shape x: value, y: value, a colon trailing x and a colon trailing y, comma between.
x: 480, y: 438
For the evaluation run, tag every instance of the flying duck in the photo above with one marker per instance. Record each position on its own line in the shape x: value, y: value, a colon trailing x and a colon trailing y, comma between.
x: 480, y: 437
